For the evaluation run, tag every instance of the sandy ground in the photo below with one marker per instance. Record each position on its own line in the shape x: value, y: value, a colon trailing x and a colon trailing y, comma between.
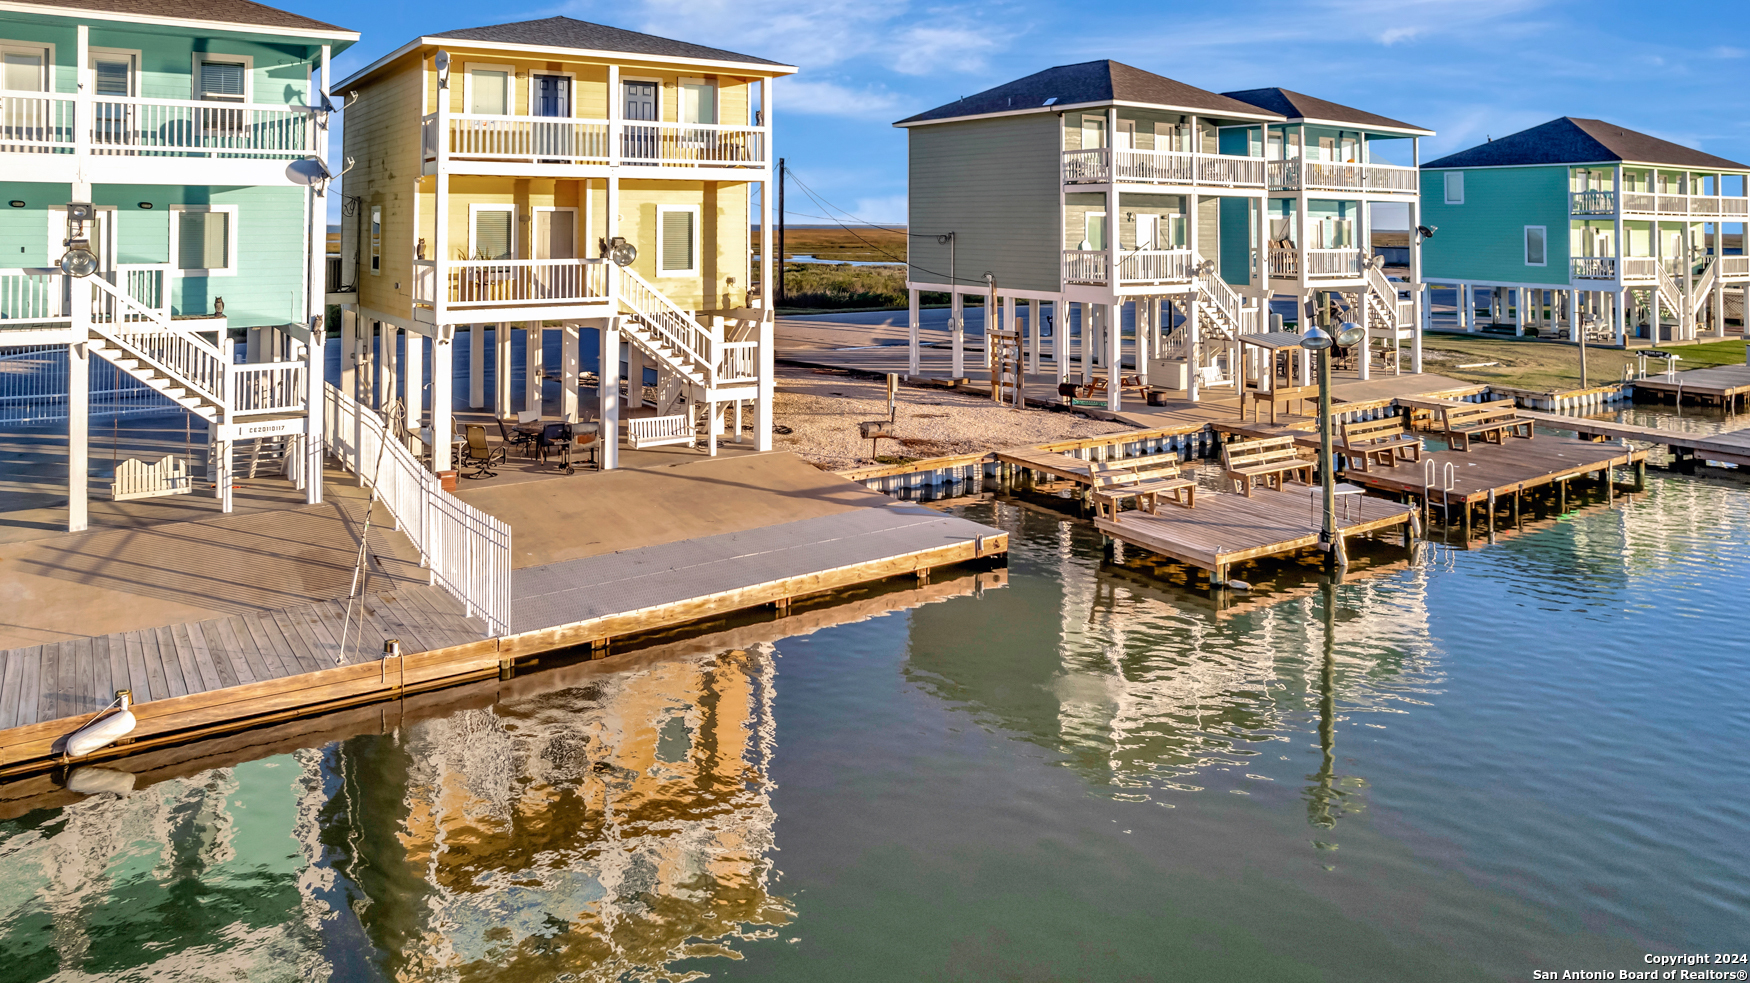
x: 822, y: 410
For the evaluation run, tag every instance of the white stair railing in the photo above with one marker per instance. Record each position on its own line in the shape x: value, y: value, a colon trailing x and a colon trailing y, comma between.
x: 1235, y: 318
x: 689, y: 344
x: 1704, y: 288
x: 1387, y: 294
x: 467, y: 551
x: 180, y: 356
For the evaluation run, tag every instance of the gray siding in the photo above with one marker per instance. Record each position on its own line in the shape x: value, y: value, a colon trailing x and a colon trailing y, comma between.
x: 994, y: 183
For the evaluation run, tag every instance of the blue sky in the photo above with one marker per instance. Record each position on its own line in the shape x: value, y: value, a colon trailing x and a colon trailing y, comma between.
x: 1465, y: 68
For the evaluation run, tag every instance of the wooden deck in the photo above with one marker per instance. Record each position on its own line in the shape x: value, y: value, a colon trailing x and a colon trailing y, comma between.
x: 1225, y: 529
x: 1731, y: 448
x: 1720, y: 383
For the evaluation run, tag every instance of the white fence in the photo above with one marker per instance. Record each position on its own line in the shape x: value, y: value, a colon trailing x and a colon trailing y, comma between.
x: 466, y: 550
x: 33, y: 388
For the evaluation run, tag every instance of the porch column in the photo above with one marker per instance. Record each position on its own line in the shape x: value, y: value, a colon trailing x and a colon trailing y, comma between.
x: 1060, y: 338
x: 635, y: 377
x: 79, y: 404
x: 1424, y: 318
x: 608, y: 393
x: 1655, y: 316
x: 1574, y: 316
x: 349, y: 349
x: 568, y: 371
x: 1618, y: 317
x: 313, y: 443
x: 1193, y: 384
x: 957, y: 333
x: 387, y: 376
x: 1147, y: 309
x: 1519, y: 305
x: 764, y: 410
x: 532, y: 367
x: 501, y: 407
x: 1114, y: 358
x: 415, y: 381
x: 442, y: 380
x: 476, y: 366
x: 914, y: 355
x: 1034, y: 322
x: 1012, y: 324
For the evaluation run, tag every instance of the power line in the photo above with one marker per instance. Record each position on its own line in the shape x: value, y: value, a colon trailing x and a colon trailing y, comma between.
x: 825, y: 206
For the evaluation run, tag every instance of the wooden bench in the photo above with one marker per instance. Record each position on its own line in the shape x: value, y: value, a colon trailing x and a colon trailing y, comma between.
x: 1144, y: 479
x: 655, y: 431
x: 1384, y: 438
x: 1269, y: 458
x: 1490, y: 421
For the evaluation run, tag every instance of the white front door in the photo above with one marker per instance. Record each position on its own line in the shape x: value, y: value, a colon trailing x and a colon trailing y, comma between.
x: 1148, y: 232
x: 1125, y: 139
x: 1093, y: 132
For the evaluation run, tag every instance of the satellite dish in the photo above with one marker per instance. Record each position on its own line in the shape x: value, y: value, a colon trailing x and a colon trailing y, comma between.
x: 308, y: 171
x: 442, y: 60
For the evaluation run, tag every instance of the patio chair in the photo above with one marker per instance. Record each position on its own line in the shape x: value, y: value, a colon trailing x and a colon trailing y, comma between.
x: 556, y: 440
x: 476, y: 453
x: 516, y: 439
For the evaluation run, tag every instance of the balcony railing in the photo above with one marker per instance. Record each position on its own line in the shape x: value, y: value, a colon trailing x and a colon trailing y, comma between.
x: 1314, y: 175
x: 1095, y: 166
x: 1134, y: 266
x: 1593, y: 267
x: 738, y: 361
x: 1646, y: 203
x: 118, y: 126
x: 1084, y: 265
x: 1340, y: 263
x: 1640, y: 268
x: 545, y: 139
x: 497, y: 282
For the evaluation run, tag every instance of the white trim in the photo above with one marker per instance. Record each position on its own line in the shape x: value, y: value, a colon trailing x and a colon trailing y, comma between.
x: 48, y: 50
x: 535, y: 227
x: 1412, y: 131
x: 222, y: 58
x: 475, y: 209
x: 231, y: 238
x: 1260, y: 116
x: 586, y: 55
x: 1526, y: 243
x: 697, y: 246
x: 1446, y: 188
x: 509, y: 71
x: 133, y: 55
x: 86, y: 13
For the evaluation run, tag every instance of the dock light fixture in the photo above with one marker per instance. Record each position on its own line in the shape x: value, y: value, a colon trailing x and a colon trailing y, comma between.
x: 619, y: 252
x: 1320, y: 341
x: 79, y: 260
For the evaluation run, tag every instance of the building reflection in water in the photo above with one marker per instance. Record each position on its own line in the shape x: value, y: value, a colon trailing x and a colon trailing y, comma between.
x: 1147, y: 688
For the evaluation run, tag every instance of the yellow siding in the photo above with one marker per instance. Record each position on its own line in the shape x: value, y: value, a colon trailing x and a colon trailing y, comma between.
x: 382, y: 137
x: 590, y: 88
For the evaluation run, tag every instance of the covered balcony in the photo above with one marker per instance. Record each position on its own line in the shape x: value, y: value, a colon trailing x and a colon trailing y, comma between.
x: 1108, y: 165
x: 1316, y: 175
x: 563, y: 140
x: 50, y: 123
x: 1341, y: 263
x: 1145, y: 267
x: 1594, y: 202
x: 491, y: 285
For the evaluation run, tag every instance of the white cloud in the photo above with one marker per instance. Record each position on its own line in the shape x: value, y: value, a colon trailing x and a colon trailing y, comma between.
x: 943, y: 47
x: 801, y: 95
x: 889, y: 210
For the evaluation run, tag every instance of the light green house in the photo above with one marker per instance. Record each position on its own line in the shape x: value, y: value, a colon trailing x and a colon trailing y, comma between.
x: 1132, y: 198
x: 155, y: 158
x: 1579, y: 220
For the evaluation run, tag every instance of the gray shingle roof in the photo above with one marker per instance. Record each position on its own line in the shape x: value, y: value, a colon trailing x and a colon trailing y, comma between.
x: 1091, y: 81
x: 1297, y: 105
x: 1578, y: 141
x: 241, y: 12
x: 565, y: 32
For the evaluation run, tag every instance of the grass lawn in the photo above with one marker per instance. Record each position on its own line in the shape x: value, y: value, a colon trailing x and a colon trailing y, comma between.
x: 1548, y: 367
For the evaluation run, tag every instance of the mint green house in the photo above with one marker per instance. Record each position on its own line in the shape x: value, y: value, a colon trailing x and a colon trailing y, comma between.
x: 1583, y: 221
x: 188, y: 139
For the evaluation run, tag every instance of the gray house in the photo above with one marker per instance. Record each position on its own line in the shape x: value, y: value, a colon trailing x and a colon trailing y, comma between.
x: 1098, y: 186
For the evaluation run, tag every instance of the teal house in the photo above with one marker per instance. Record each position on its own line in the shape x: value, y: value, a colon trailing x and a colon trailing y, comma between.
x: 1580, y: 221
x: 161, y: 186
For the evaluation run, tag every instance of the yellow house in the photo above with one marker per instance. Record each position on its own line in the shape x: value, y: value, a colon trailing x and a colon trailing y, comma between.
x: 558, y: 175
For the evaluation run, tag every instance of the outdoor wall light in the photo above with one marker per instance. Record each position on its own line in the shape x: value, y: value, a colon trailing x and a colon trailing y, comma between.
x: 146, y: 205
x: 620, y: 252
x: 15, y: 203
x: 1349, y: 334
x: 80, y: 260
x: 1315, y: 338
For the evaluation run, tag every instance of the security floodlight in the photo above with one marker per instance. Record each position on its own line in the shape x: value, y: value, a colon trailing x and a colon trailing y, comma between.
x: 1315, y: 338
x: 79, y: 260
x: 1427, y: 231
x: 1349, y: 334
x: 620, y: 252
x: 80, y: 211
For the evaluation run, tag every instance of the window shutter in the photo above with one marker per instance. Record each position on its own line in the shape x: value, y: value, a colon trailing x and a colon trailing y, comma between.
x: 222, y: 79
x: 677, y: 241
x: 492, y: 235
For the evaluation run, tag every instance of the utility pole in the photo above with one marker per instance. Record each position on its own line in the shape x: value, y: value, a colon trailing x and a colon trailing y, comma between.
x: 778, y: 260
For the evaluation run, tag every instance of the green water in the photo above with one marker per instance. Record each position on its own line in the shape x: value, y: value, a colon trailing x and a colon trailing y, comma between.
x: 1525, y: 756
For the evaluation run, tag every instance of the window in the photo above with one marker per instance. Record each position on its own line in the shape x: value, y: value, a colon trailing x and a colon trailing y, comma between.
x: 677, y: 232
x: 491, y: 231
x: 489, y: 90
x: 1455, y: 187
x: 376, y: 239
x: 114, y: 74
x: 698, y: 101
x: 221, y: 79
x: 24, y: 68
x: 1536, y: 245
x: 1093, y: 132
x: 203, y: 240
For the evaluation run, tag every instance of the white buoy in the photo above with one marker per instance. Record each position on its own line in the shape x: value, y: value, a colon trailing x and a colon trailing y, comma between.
x: 104, y: 731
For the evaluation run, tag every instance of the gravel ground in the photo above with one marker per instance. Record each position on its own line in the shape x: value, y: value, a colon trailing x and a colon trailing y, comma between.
x: 822, y: 410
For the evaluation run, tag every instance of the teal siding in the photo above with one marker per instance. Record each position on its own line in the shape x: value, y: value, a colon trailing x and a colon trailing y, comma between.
x: 268, y: 287
x: 994, y: 183
x: 24, y: 232
x: 280, y: 72
x: 1484, y: 238
x: 1236, y: 240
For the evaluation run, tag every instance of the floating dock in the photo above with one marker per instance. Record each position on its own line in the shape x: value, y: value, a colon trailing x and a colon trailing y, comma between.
x: 1730, y: 448
x: 1225, y: 529
x: 1728, y: 385
x: 597, y: 557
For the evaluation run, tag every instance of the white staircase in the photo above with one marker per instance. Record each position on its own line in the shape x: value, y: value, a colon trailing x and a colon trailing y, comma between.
x: 1220, y: 308
x: 186, y: 368
x: 659, y: 327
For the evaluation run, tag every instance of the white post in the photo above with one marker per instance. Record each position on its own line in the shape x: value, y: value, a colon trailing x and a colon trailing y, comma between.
x: 415, y: 381
x: 1192, y: 363
x: 609, y: 392
x: 442, y: 380
x: 1519, y: 305
x: 1013, y: 325
x: 316, y: 311
x: 476, y: 366
x: 1060, y: 338
x: 768, y: 286
x: 82, y: 113
x: 1146, y: 308
x: 634, y: 377
x: 501, y: 407
x: 914, y: 363
x: 568, y: 371
x: 1114, y: 323
x: 763, y: 410
x: 388, y: 377
x: 957, y: 332
x: 1619, y: 316
x: 1034, y: 322
x: 532, y: 367
x: 349, y: 346
x: 79, y: 400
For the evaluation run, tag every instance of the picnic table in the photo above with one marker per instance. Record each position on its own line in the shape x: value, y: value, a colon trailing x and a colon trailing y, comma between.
x: 1280, y: 394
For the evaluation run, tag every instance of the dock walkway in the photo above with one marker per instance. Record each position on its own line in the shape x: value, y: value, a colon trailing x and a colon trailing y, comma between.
x: 1732, y: 447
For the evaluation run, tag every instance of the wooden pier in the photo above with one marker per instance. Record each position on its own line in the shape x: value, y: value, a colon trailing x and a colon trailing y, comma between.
x: 1727, y: 385
x: 1730, y: 448
x: 1225, y: 529
x: 1490, y: 472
